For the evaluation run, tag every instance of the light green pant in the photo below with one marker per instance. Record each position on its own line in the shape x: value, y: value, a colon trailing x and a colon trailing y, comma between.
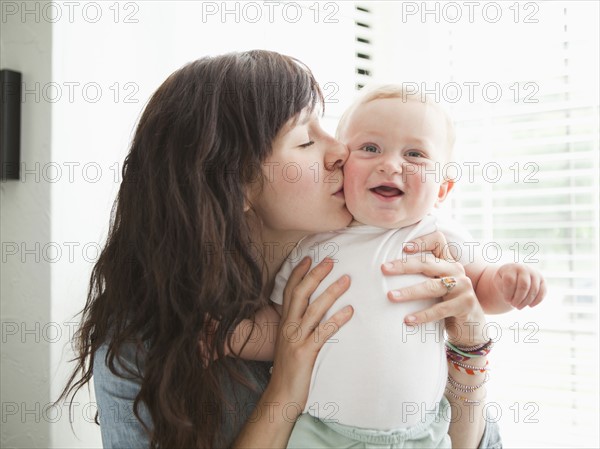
x: 432, y: 433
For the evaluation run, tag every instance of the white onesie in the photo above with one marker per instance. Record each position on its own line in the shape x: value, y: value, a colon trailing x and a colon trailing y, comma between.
x: 375, y: 372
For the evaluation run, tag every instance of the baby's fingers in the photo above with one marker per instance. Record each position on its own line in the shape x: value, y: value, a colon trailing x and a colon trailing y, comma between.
x: 523, y: 291
x: 540, y: 295
x: 532, y: 294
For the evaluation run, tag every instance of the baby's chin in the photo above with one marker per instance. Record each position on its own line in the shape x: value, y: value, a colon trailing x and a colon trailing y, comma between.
x: 383, y: 222
x: 355, y: 222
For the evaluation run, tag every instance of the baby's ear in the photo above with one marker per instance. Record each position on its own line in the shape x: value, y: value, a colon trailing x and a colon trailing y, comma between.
x: 445, y: 188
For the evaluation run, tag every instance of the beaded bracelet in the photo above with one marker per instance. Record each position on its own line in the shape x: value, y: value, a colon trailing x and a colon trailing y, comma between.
x: 465, y: 400
x: 455, y: 357
x: 466, y: 388
x: 470, y: 369
x: 480, y: 347
x: 478, y: 352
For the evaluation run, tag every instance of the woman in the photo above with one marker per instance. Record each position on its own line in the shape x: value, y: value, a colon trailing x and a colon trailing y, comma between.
x: 207, y: 211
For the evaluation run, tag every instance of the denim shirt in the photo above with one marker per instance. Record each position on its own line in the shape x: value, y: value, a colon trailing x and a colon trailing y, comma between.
x: 121, y: 429
x: 115, y: 396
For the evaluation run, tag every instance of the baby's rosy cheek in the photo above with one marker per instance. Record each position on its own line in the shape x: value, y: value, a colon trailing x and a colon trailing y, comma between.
x: 349, y: 181
x: 351, y: 172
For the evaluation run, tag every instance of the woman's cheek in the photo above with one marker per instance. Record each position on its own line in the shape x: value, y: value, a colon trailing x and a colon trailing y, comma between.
x: 294, y: 190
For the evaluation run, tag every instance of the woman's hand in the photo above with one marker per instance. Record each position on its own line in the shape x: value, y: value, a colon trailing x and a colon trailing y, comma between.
x: 464, y: 320
x: 459, y: 307
x: 301, y: 335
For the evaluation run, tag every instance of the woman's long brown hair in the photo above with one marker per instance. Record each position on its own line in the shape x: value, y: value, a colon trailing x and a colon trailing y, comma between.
x: 178, y: 245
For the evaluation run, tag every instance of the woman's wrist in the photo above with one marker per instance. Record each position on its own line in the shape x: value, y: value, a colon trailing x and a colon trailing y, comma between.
x: 467, y: 331
x: 467, y: 384
x: 458, y: 353
x: 283, y: 391
x: 270, y: 424
x: 468, y: 372
x: 277, y: 393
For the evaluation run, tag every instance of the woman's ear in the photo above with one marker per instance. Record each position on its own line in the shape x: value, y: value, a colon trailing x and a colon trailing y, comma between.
x: 252, y: 192
x: 445, y: 188
x: 249, y: 195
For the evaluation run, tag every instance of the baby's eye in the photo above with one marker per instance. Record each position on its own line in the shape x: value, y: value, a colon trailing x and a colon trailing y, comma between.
x: 370, y: 148
x: 414, y: 153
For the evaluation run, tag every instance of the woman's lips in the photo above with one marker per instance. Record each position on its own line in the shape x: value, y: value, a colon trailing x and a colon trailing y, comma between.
x: 340, y: 193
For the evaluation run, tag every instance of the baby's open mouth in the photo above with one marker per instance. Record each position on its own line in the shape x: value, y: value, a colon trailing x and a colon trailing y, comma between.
x: 387, y: 191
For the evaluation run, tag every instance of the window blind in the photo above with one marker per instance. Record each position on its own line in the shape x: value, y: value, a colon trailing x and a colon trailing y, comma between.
x: 542, y: 210
x: 529, y: 166
x: 363, y: 23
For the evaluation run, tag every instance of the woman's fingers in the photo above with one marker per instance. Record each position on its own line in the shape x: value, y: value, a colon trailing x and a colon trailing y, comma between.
x: 428, y: 265
x: 303, y: 317
x: 301, y: 333
x: 431, y: 288
x: 319, y: 307
x: 326, y: 330
x: 299, y: 289
x: 434, y: 243
x: 296, y: 276
x: 424, y: 263
x: 434, y: 313
x: 459, y: 307
x: 456, y: 306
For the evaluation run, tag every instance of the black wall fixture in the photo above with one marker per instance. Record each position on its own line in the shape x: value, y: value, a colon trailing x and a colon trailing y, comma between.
x: 10, y: 124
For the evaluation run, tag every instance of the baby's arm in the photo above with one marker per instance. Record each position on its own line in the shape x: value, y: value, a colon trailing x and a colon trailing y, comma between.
x: 500, y: 288
x: 262, y: 335
x: 261, y: 342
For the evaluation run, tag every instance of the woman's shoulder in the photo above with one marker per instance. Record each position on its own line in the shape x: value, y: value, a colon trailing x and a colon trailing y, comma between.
x: 116, y: 393
x: 115, y: 396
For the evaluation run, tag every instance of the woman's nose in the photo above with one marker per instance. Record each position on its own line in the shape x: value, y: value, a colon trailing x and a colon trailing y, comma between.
x: 337, y: 154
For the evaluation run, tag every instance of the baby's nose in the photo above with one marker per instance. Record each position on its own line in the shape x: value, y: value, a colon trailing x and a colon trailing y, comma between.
x: 390, y: 165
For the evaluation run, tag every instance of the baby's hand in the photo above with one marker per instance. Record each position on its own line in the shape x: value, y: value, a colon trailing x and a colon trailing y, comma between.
x: 521, y: 285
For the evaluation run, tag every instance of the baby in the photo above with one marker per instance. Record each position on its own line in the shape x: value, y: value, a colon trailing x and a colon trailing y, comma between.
x: 378, y: 374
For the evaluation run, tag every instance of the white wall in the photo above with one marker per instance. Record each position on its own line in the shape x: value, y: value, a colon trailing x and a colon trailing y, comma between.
x: 25, y: 305
x: 69, y: 208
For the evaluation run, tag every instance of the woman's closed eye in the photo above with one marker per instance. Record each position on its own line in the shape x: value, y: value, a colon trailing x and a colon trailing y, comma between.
x: 307, y: 144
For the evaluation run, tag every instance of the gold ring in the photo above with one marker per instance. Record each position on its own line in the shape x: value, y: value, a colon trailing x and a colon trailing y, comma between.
x: 449, y: 282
